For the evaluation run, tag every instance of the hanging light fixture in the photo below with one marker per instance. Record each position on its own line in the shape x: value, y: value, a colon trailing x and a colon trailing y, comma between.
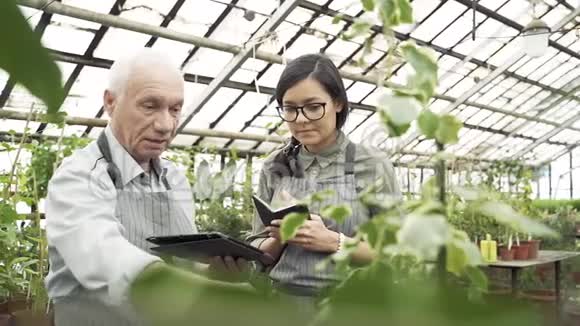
x: 536, y: 36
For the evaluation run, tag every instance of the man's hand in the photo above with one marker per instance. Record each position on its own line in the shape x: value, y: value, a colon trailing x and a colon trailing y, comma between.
x: 228, y: 269
x: 312, y: 235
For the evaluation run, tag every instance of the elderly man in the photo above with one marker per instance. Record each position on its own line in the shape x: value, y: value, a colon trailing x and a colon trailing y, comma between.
x: 107, y: 198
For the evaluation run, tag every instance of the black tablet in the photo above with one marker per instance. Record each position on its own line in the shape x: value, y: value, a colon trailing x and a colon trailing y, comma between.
x: 202, y: 246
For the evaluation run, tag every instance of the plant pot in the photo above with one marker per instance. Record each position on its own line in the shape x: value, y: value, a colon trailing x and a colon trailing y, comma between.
x: 576, y: 277
x: 521, y: 252
x: 31, y: 318
x: 505, y: 254
x: 534, y: 248
x: 3, y: 306
x: 6, y: 320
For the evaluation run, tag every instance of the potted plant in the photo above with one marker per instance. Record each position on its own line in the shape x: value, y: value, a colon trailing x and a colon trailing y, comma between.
x: 534, y: 247
x: 521, y: 250
x: 506, y: 250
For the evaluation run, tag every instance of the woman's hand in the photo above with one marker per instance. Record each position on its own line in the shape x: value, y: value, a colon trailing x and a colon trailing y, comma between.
x: 312, y: 235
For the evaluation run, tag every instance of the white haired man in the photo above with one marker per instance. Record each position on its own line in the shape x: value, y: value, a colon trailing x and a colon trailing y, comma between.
x: 107, y: 198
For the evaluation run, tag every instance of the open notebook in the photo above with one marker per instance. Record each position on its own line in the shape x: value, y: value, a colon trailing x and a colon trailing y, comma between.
x: 268, y: 214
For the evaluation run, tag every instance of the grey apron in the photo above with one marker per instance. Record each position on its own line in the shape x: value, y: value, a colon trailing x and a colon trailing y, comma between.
x: 142, y: 214
x: 295, y: 273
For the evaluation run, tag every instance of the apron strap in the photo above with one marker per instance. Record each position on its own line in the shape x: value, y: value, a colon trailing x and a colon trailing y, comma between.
x: 112, y: 169
x: 349, y: 158
x: 164, y: 179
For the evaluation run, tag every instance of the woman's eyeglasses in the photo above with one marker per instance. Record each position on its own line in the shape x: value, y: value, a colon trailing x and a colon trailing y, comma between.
x: 311, y: 111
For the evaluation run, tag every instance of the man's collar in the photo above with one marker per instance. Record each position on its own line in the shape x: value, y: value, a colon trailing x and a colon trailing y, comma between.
x: 129, y: 168
x: 327, y: 155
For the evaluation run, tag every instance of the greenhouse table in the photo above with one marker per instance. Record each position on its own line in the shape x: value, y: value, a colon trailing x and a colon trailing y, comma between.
x: 544, y: 257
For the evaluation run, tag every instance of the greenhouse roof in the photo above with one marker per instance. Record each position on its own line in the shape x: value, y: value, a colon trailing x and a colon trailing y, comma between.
x: 513, y: 106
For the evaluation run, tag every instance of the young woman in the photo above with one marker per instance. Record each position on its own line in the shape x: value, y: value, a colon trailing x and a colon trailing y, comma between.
x: 312, y: 101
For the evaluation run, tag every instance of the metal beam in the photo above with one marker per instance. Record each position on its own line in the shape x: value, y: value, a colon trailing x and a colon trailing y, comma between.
x: 506, y: 21
x: 138, y: 27
x: 290, y: 42
x: 16, y: 137
x: 547, y: 136
x: 403, y: 37
x: 166, y: 20
x: 81, y: 121
x: 558, y: 155
x: 115, y: 10
x: 102, y: 123
x: 247, y: 154
x: 513, y: 133
x: 258, y: 76
x: 105, y: 64
x: 493, y: 75
x: 236, y: 62
x: 208, y: 34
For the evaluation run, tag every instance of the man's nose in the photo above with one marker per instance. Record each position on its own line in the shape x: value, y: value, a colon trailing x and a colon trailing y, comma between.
x: 164, y: 122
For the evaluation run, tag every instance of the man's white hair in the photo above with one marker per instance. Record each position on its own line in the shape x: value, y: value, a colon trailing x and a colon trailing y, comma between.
x: 122, y: 68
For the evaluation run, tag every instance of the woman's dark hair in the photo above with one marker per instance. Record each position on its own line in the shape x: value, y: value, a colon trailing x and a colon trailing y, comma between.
x: 320, y: 68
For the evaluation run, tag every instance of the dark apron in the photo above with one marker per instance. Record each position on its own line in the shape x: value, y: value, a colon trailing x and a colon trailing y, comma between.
x: 295, y: 273
x: 142, y: 214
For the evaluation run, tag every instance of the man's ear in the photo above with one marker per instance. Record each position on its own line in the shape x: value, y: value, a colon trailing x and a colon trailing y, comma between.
x: 109, y: 102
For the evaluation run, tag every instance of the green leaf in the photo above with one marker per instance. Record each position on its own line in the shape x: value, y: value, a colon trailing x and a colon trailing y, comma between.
x: 229, y: 173
x: 358, y: 28
x: 430, y: 207
x: 423, y: 235
x: 26, y: 60
x: 401, y: 110
x: 368, y: 5
x: 461, y: 253
x: 448, y: 131
x: 290, y: 225
x: 336, y: 19
x: 7, y: 214
x: 393, y: 129
x: 477, y: 277
x: 506, y: 215
x: 18, y: 260
x: 339, y: 213
x: 456, y: 259
x: 389, y: 13
x: 57, y: 118
x: 370, y: 229
x: 395, y: 12
x: 405, y: 11
x: 321, y: 196
x: 219, y: 185
x: 423, y: 82
x: 428, y: 123
x: 203, y: 182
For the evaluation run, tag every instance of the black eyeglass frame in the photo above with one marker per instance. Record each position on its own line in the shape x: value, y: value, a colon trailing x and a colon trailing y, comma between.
x: 301, y: 109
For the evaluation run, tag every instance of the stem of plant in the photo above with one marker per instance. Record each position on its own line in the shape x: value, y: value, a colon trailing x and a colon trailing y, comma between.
x: 22, y: 140
x: 441, y: 180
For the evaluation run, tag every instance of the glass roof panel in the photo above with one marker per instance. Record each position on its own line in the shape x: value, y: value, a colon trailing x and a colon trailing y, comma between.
x: 439, y: 20
x: 446, y: 26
